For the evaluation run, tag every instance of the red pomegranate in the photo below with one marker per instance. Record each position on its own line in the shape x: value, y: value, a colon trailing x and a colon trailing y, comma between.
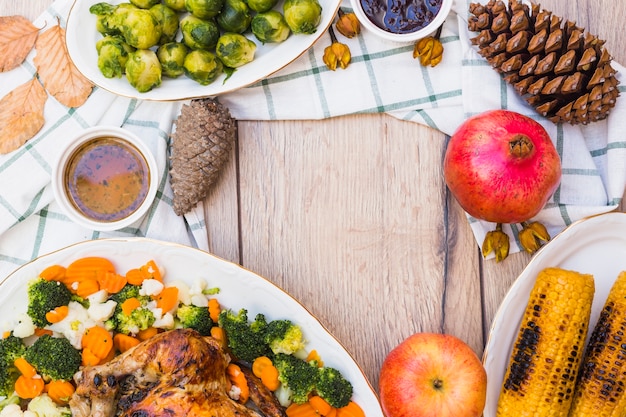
x: 501, y: 166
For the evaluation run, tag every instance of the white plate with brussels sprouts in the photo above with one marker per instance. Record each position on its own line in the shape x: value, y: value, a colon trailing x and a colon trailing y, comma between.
x: 236, y: 57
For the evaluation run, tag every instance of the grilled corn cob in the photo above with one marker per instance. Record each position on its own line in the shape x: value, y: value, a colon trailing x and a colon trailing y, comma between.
x: 600, y: 389
x: 542, y: 370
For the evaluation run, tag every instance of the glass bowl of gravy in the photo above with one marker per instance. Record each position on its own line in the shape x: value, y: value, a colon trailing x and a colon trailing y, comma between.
x: 401, y: 21
x: 105, y: 179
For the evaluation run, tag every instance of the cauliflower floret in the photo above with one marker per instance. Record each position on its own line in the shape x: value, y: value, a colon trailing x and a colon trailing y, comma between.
x: 234, y: 392
x: 73, y: 326
x: 12, y: 410
x: 43, y: 406
x: 165, y: 322
x: 151, y: 287
x: 24, y: 327
x: 101, y: 312
x: 98, y: 297
x: 196, y: 293
x: 184, y: 297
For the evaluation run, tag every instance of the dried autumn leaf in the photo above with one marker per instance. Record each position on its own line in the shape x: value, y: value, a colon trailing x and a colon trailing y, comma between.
x: 21, y: 115
x: 57, y: 71
x: 18, y: 38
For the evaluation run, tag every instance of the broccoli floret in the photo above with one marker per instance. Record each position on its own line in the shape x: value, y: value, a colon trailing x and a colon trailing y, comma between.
x: 128, y: 291
x: 44, y: 296
x: 43, y: 405
x: 297, y: 375
x: 139, y: 319
x: 246, y: 340
x: 333, y: 387
x: 11, y: 348
x: 283, y: 336
x: 54, y: 357
x: 194, y: 317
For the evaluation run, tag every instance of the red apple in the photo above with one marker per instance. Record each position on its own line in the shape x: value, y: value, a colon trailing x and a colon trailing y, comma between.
x: 434, y: 375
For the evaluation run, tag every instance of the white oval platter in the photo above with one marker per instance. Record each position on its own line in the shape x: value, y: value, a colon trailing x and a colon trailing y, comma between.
x: 81, y: 38
x: 596, y: 245
x: 239, y: 288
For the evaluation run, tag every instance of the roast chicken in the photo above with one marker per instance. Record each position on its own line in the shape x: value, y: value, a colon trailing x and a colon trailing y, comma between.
x: 175, y: 373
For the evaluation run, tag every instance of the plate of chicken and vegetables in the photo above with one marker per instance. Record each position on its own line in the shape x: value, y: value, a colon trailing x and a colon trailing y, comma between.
x: 127, y: 327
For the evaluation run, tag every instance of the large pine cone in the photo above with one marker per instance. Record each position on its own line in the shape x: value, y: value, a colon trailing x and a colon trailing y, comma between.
x: 204, y: 136
x: 558, y: 68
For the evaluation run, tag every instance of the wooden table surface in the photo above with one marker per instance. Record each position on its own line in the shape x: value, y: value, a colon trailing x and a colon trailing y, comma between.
x: 351, y: 216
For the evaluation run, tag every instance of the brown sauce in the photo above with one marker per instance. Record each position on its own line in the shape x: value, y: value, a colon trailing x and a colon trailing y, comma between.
x: 401, y: 16
x: 107, y: 179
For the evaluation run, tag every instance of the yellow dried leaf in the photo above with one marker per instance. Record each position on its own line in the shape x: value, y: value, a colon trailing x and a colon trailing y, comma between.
x: 17, y: 38
x: 57, y: 71
x: 21, y: 115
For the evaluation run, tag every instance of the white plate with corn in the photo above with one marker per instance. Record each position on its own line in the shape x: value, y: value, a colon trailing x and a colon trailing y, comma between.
x: 536, y: 346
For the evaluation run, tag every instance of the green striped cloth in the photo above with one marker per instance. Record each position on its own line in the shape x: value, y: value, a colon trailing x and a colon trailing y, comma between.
x: 382, y: 77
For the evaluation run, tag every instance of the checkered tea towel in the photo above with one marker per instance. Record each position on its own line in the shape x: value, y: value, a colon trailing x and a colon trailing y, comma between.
x: 382, y: 77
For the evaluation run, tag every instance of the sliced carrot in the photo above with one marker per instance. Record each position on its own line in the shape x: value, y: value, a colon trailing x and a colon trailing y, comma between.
x: 58, y: 314
x: 88, y: 358
x: 264, y: 369
x: 130, y: 304
x: 6, y: 334
x: 135, y: 276
x: 98, y: 340
x: 351, y: 410
x: 259, y: 364
x: 218, y: 334
x: 86, y: 287
x: 214, y: 309
x: 60, y: 391
x: 147, y: 333
x: 238, y: 379
x: 151, y: 271
x: 40, y: 332
x: 29, y: 387
x: 53, y: 273
x: 90, y: 267
x: 25, y: 368
x: 167, y: 299
x: 301, y: 410
x: 113, y: 282
x: 315, y: 356
x: 332, y: 412
x: 320, y: 405
x: 124, y: 342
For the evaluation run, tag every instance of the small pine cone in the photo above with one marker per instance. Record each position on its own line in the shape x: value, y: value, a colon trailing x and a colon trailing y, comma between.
x: 201, y: 145
x: 562, y: 71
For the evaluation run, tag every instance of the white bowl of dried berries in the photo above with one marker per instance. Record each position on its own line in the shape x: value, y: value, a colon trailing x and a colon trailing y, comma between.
x: 401, y: 21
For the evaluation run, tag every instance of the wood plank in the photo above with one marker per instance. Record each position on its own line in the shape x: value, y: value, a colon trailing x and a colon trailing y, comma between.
x: 349, y: 216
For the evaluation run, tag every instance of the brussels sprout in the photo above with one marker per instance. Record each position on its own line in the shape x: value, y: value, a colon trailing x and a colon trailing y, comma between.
x: 168, y: 19
x: 172, y: 58
x: 178, y: 5
x: 199, y: 33
x: 145, y: 4
x: 262, y: 5
x: 235, y: 16
x: 270, y: 27
x: 204, y: 9
x: 140, y: 28
x: 202, y: 66
x: 112, y: 56
x: 302, y: 16
x: 103, y: 11
x: 234, y: 49
x: 143, y: 70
